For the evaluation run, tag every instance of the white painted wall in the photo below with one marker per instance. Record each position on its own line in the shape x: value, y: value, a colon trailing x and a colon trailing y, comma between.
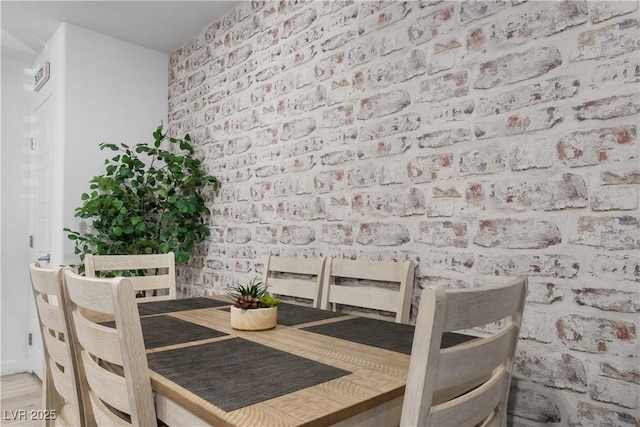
x: 52, y: 92
x: 14, y: 208
x: 104, y: 89
x: 54, y: 52
x: 116, y: 91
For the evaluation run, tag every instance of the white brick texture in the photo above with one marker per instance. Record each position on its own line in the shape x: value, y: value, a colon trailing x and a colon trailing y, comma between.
x: 478, y: 139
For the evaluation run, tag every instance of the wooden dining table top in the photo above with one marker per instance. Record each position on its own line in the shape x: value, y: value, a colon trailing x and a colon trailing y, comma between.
x: 315, y: 368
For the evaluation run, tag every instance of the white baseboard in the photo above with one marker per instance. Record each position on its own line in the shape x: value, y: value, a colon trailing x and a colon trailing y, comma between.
x: 9, y: 367
x: 36, y: 364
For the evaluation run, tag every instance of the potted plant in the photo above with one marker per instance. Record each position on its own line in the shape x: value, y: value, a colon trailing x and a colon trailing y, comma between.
x: 254, y: 309
x: 151, y: 199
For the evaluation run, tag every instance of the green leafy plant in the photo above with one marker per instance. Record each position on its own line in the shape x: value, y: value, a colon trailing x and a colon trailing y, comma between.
x: 252, y: 295
x: 149, y: 200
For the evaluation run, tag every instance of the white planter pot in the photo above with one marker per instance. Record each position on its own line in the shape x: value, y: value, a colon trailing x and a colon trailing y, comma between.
x: 256, y: 319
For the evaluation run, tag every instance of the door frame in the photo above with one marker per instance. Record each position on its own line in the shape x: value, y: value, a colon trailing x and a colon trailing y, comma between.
x: 41, y: 190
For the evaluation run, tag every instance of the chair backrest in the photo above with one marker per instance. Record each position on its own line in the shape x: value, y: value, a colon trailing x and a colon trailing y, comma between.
x: 112, y: 363
x: 396, y: 300
x: 61, y: 392
x: 479, y: 369
x: 294, y: 277
x: 160, y: 268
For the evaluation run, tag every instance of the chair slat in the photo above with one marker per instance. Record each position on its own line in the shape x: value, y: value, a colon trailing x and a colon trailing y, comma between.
x: 129, y: 262
x: 145, y: 283
x: 96, y: 298
x: 373, y: 297
x: 161, y: 269
x: 296, y: 265
x: 103, y: 415
x: 113, y: 364
x: 471, y: 408
x: 41, y: 280
x: 291, y: 284
x: 380, y: 271
x: 97, y: 339
x: 366, y: 297
x: 50, y: 315
x: 293, y: 287
x: 467, y: 384
x: 57, y: 349
x: 64, y: 382
x: 475, y: 359
x: 110, y: 387
x: 464, y: 312
x: 61, y: 392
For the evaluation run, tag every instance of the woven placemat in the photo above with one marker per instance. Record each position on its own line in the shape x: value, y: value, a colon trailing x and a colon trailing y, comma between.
x: 160, y: 331
x: 379, y: 333
x: 234, y: 373
x: 292, y: 314
x: 171, y: 306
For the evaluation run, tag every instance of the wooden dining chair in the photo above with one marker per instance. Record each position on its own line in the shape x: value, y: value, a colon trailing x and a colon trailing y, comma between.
x: 365, y: 293
x: 294, y: 277
x: 60, y: 390
x: 158, y: 284
x: 112, y: 363
x: 482, y: 365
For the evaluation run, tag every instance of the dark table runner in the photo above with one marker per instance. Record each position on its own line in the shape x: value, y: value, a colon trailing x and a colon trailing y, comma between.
x: 234, y: 373
x: 161, y: 331
x: 170, y: 306
x: 380, y: 333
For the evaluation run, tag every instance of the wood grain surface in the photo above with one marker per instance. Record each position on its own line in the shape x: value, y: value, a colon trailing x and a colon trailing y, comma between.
x: 372, y: 391
x: 377, y: 377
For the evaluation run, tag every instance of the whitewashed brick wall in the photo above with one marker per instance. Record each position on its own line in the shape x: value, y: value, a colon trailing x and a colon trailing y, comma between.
x: 478, y: 139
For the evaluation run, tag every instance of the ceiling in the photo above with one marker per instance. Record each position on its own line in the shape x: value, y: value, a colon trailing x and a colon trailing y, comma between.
x: 161, y: 25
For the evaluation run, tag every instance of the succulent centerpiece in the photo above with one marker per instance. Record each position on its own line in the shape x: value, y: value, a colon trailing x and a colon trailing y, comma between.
x: 254, y: 309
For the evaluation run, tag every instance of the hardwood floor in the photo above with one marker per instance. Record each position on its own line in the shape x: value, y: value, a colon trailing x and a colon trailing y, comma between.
x: 21, y: 400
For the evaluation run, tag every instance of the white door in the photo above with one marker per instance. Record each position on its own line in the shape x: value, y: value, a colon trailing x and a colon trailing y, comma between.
x: 41, y: 191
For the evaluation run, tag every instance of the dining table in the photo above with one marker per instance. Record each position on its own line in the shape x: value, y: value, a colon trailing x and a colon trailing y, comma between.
x: 315, y: 368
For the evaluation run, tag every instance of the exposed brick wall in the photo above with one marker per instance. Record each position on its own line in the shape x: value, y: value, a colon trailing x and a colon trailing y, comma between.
x: 478, y: 139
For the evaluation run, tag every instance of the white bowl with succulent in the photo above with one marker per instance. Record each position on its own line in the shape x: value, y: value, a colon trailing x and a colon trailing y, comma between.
x: 254, y: 309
